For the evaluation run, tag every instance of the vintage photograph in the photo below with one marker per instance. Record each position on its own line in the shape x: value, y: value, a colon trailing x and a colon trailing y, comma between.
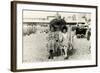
x: 55, y: 36
x: 47, y: 36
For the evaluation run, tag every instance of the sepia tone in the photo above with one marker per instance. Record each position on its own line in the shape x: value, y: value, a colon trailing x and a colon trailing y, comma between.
x: 36, y: 28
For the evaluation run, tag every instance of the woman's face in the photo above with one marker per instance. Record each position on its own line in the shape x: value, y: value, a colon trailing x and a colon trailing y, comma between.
x: 64, y: 31
x: 52, y: 29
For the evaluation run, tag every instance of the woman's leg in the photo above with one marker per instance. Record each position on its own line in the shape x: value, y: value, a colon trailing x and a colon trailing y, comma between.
x: 63, y: 52
x: 66, y: 52
x: 50, y: 54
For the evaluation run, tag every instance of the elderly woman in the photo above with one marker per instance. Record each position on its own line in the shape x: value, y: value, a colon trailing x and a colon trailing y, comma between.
x: 51, y: 42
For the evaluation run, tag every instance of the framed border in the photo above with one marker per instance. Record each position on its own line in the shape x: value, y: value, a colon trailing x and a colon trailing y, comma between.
x: 14, y: 35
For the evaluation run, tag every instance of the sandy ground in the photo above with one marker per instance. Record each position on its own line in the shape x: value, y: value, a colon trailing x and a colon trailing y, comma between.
x: 35, y: 50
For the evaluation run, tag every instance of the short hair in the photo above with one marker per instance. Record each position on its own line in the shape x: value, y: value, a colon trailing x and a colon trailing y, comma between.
x: 64, y: 27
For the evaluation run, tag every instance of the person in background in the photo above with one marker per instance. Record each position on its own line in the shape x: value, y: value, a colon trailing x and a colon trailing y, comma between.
x: 89, y: 38
x: 88, y: 34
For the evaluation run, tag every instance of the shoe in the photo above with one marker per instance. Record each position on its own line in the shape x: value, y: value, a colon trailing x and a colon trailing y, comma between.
x: 66, y: 57
x: 50, y: 57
